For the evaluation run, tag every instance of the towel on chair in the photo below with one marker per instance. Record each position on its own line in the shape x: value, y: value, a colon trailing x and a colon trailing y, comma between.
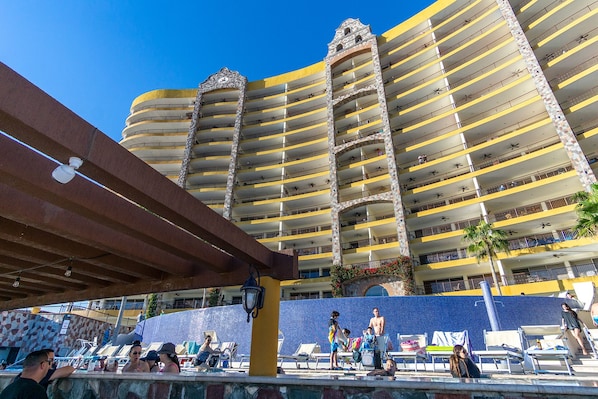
x: 449, y: 338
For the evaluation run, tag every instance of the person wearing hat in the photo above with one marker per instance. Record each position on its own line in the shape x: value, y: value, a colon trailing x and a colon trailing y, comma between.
x: 153, y: 361
x: 135, y: 365
x: 168, y: 358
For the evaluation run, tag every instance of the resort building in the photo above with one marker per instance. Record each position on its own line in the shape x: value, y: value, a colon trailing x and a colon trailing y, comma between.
x: 394, y: 143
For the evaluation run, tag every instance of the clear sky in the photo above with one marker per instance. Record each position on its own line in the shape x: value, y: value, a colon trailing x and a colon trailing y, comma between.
x: 96, y: 56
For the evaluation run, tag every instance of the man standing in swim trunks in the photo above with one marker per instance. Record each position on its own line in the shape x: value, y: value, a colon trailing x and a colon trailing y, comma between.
x: 377, y: 323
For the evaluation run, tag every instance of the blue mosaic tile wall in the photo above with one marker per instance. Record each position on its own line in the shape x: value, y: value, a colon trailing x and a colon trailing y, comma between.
x: 307, y: 320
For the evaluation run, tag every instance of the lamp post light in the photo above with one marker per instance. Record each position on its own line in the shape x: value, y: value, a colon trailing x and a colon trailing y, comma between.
x: 253, y: 294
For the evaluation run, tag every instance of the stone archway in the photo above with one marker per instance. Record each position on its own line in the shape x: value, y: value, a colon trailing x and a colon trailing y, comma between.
x: 358, y: 287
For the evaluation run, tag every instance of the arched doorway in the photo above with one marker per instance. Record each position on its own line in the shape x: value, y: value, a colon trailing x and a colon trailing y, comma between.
x: 376, y: 290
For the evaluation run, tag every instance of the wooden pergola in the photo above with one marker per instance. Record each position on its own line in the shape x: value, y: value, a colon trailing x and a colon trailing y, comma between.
x: 121, y: 226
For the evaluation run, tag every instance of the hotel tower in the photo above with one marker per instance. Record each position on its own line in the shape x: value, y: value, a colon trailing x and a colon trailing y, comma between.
x: 394, y: 143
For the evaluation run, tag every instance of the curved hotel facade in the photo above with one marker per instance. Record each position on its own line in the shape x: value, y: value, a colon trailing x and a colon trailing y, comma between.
x: 394, y: 143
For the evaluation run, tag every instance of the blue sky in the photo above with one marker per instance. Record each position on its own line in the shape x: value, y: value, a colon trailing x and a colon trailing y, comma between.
x: 96, y: 56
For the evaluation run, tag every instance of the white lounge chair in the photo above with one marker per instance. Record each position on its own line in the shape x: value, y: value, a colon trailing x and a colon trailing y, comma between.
x: 592, y: 337
x: 505, y: 346
x: 227, y: 351
x: 416, y: 356
x: 443, y: 343
x: 302, y: 354
x: 108, y: 350
x: 246, y: 357
x: 554, y: 347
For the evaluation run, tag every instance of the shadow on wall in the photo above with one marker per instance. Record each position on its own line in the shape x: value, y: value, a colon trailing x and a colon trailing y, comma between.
x: 306, y: 321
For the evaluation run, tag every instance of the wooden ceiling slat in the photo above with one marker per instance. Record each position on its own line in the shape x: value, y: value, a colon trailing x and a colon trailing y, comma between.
x: 103, y: 271
x: 43, y: 215
x: 118, y: 247
x: 102, y: 206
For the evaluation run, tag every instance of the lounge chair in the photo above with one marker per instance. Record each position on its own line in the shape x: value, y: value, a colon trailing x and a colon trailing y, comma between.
x: 554, y: 347
x: 592, y: 337
x: 302, y: 354
x: 418, y: 354
x: 443, y: 343
x: 123, y: 352
x: 245, y: 357
x: 342, y: 357
x: 506, y: 346
x: 108, y: 350
x: 227, y: 353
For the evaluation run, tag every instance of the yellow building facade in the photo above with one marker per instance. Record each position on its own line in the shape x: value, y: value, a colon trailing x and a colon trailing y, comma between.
x: 391, y: 145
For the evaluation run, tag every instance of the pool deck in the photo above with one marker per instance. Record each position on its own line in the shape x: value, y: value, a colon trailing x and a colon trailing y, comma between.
x: 585, y: 369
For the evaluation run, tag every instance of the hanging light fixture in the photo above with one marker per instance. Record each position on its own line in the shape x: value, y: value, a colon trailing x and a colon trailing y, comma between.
x: 17, y: 282
x: 69, y: 271
x: 253, y: 294
x: 65, y: 173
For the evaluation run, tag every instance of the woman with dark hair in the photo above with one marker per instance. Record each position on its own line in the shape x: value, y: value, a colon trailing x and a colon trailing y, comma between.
x: 153, y: 361
x: 168, y: 357
x: 135, y: 365
x: 570, y: 321
x: 461, y: 365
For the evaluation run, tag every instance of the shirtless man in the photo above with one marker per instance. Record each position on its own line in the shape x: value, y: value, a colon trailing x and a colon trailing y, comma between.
x: 377, y: 323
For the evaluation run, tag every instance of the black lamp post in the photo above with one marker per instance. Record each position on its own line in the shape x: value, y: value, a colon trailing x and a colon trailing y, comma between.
x: 253, y: 294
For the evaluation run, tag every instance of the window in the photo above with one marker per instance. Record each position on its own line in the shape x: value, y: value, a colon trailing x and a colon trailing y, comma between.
x: 339, y: 47
x: 474, y: 281
x: 305, y: 295
x: 347, y: 31
x: 131, y: 304
x: 312, y: 273
x: 187, y: 303
x: 448, y: 285
x: 539, y: 273
x: 358, y: 39
x: 376, y: 290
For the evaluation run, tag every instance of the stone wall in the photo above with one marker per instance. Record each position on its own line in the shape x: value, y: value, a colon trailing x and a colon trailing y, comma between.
x: 29, y: 332
x: 359, y: 287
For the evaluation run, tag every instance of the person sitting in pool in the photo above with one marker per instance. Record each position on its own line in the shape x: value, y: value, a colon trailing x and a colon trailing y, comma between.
x: 461, y: 365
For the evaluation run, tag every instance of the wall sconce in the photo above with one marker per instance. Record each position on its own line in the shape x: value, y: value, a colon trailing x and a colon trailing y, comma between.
x: 253, y: 294
x: 65, y: 173
x: 69, y: 271
x: 17, y: 282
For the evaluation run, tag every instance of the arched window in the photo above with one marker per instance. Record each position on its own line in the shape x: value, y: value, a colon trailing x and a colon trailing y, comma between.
x: 347, y: 31
x: 376, y: 290
x: 357, y: 39
x: 339, y: 47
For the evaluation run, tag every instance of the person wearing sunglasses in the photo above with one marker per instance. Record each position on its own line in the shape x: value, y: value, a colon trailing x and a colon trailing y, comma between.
x: 461, y: 364
x: 53, y: 372
x: 135, y: 365
x: 35, y: 367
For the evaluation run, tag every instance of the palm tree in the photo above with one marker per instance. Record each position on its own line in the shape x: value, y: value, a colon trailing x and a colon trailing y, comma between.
x: 587, y: 212
x: 483, y: 242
